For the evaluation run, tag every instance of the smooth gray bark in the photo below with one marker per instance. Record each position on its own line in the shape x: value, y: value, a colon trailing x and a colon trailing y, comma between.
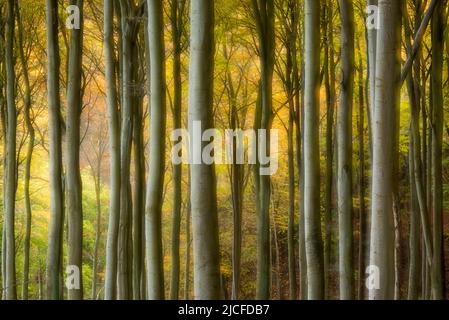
x: 155, y: 186
x: 371, y: 50
x: 384, y: 127
x: 128, y: 53
x: 114, y: 150
x: 344, y: 162
x: 203, y: 180
x: 56, y: 186
x: 314, y: 242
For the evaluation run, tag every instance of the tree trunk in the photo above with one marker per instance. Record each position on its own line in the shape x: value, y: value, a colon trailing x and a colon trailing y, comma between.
x: 203, y: 181
x: 128, y: 53
x: 437, y: 143
x: 74, y: 189
x: 301, y: 223
x: 372, y: 52
x: 361, y: 191
x: 291, y: 208
x: 3, y: 128
x: 237, y: 199
x: 29, y: 155
x: 97, y: 181
x: 56, y: 187
x: 264, y: 15
x: 384, y: 127
x: 314, y: 242
x: 177, y: 22
x: 138, y: 196
x: 414, y: 239
x: 11, y: 169
x: 329, y: 81
x: 344, y: 163
x: 187, y: 256
x: 153, y: 211
x: 277, y: 260
x: 114, y: 150
x: 419, y: 173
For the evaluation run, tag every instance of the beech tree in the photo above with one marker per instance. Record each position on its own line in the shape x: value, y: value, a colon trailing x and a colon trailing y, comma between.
x: 203, y: 193
x: 264, y: 16
x: 74, y: 190
x: 156, y: 167
x: 314, y: 242
x: 114, y: 150
x: 10, y: 170
x: 384, y: 115
x: 54, y: 127
x: 344, y: 141
x: 349, y: 94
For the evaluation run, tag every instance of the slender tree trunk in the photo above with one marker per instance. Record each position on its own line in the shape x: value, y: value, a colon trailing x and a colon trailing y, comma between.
x: 127, y: 54
x: 414, y: 240
x: 423, y: 200
x: 361, y: 191
x: 138, y: 197
x: 203, y: 180
x: 372, y: 53
x: 40, y: 283
x: 314, y: 242
x: 56, y: 187
x: 138, y: 202
x: 114, y: 150
x: 187, y: 256
x: 97, y: 175
x: 277, y: 260
x: 29, y: 155
x: 289, y: 31
x: 415, y: 164
x: 329, y: 81
x: 291, y: 208
x: 177, y: 25
x: 11, y: 169
x: 237, y: 199
x: 301, y: 223
x: 74, y: 189
x: 384, y: 124
x: 437, y: 142
x: 397, y: 245
x: 344, y: 163
x: 155, y: 186
x: 3, y: 128
x: 291, y: 197
x: 264, y: 15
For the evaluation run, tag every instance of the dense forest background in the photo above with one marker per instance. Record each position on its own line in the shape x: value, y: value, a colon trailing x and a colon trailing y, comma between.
x: 358, y: 91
